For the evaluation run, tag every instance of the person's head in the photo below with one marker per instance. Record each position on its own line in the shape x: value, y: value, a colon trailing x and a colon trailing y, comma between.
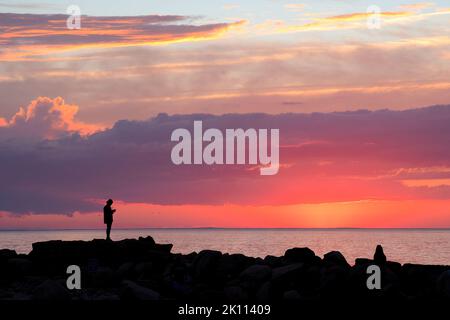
x: 109, y: 202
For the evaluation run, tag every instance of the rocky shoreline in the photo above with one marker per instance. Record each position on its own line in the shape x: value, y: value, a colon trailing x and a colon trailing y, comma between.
x: 140, y: 269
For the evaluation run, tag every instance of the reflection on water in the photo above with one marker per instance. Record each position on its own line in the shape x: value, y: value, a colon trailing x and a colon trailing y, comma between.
x: 414, y: 246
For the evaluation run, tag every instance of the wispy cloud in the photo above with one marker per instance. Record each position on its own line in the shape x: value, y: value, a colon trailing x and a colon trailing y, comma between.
x: 296, y: 7
x: 28, y: 5
x: 417, y: 6
x: 22, y: 35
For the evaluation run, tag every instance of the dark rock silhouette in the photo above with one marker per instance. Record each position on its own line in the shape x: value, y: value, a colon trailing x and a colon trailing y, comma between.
x: 379, y: 257
x: 140, y: 269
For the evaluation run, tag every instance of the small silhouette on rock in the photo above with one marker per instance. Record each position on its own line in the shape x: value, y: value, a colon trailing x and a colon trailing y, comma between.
x: 379, y: 256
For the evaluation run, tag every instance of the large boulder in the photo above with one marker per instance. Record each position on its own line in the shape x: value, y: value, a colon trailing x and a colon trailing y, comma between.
x: 335, y: 258
x: 286, y: 274
x: 230, y: 265
x: 205, y: 263
x: 256, y: 273
x: 304, y: 255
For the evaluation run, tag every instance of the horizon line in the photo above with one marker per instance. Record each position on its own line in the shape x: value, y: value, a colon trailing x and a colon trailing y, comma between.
x: 229, y: 228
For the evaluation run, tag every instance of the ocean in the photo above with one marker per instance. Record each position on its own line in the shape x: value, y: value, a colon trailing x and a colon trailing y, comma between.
x: 423, y: 246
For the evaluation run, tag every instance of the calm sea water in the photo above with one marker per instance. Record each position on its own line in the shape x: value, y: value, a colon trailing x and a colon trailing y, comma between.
x: 414, y: 246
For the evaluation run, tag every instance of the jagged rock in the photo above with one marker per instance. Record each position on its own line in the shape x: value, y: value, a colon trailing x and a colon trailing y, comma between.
x: 379, y: 257
x: 305, y: 255
x: 336, y: 258
x: 51, y: 290
x: 133, y: 291
x: 257, y: 273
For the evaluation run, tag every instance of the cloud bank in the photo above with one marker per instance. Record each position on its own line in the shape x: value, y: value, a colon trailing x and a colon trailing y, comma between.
x: 325, y: 157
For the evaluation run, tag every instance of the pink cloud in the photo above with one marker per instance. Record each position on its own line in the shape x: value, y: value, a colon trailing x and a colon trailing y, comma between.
x: 46, y: 118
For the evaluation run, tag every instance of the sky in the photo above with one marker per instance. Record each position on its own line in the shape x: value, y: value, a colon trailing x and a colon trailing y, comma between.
x: 362, y: 103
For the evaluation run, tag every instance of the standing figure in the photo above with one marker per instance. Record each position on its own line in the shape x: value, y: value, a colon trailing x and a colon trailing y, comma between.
x: 108, y: 217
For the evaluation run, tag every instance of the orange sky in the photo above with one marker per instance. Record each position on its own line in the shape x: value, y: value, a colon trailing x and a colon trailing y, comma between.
x: 358, y: 214
x: 86, y: 113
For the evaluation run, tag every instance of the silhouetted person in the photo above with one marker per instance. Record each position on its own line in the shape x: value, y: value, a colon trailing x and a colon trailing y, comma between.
x: 108, y: 217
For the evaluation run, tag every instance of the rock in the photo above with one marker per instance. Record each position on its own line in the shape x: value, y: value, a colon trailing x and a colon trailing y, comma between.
x: 231, y: 265
x: 379, y: 257
x: 285, y: 274
x: 443, y: 284
x: 256, y: 273
x: 51, y: 290
x: 105, y: 296
x: 164, y: 247
x: 264, y: 292
x: 143, y: 270
x: 363, y: 261
x: 291, y: 295
x: 133, y: 291
x: 20, y: 266
x: 305, y: 255
x: 125, y: 270
x: 394, y: 267
x: 4, y: 294
x: 6, y: 254
x: 235, y: 293
x: 206, y: 262
x: 147, y: 240
x: 333, y: 280
x: 335, y: 258
x: 103, y: 277
x: 272, y: 261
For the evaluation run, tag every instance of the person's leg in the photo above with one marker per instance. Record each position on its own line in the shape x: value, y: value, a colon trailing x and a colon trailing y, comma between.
x: 108, y: 230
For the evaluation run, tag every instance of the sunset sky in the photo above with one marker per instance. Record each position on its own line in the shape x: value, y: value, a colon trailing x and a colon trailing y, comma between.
x: 363, y: 113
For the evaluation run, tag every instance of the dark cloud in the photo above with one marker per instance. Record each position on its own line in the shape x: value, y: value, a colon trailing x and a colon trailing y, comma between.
x: 339, y: 156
